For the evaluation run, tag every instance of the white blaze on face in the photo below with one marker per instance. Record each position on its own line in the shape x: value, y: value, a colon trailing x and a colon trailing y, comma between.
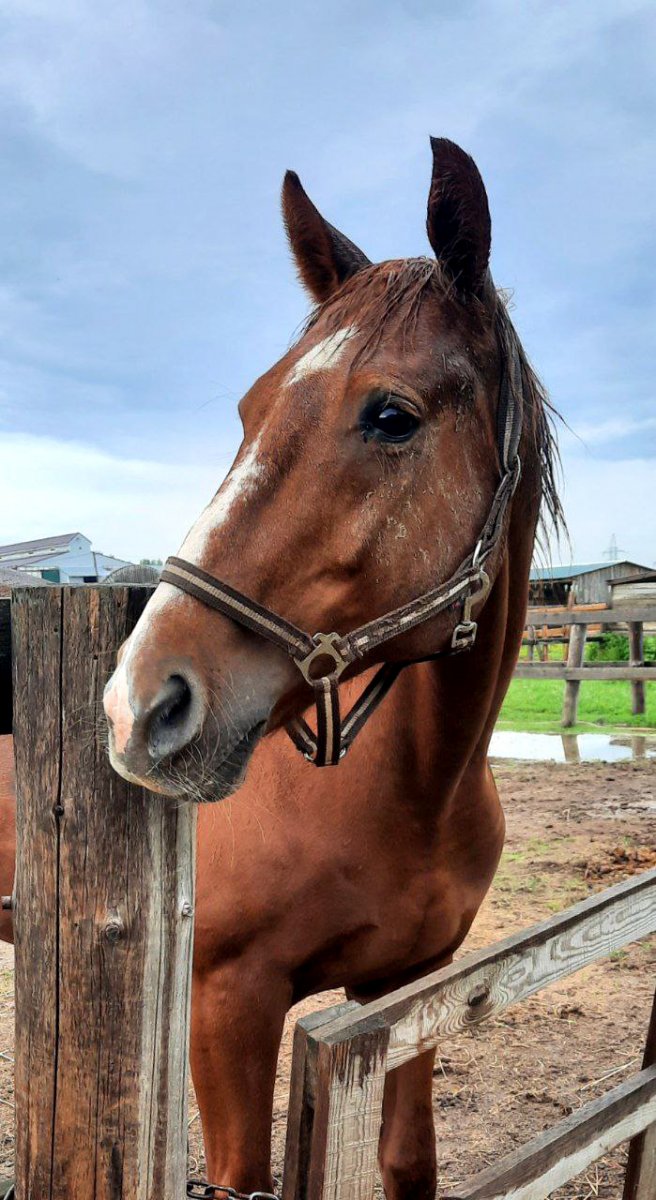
x: 241, y: 482
x: 326, y: 354
x: 116, y: 699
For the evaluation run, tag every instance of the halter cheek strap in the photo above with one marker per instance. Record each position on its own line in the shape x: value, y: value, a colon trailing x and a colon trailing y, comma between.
x: 323, y: 658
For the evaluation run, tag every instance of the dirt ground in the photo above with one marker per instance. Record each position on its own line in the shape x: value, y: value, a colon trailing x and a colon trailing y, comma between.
x: 572, y: 830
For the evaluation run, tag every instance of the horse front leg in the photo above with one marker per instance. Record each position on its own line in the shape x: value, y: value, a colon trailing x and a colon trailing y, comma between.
x: 406, y: 1152
x: 238, y: 1011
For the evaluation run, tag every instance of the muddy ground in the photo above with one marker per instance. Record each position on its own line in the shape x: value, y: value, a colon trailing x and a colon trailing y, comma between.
x: 572, y: 830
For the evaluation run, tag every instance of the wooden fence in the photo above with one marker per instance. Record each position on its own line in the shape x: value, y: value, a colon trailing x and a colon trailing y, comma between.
x: 103, y: 911
x: 574, y: 671
x: 342, y: 1055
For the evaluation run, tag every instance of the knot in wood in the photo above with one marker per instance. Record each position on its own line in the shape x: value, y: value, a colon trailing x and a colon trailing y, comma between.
x: 479, y: 997
x: 114, y: 929
x: 187, y: 909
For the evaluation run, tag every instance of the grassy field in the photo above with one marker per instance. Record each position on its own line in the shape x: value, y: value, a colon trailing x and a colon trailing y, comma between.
x: 535, y: 705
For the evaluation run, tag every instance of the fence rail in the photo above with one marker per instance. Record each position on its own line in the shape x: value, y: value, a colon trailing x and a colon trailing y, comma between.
x: 575, y: 624
x: 341, y: 1058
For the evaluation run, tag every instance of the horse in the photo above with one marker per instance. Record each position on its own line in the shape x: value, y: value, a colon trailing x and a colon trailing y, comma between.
x: 369, y: 474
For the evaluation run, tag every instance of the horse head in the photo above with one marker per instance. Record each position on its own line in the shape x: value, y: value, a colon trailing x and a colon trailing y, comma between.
x: 369, y: 463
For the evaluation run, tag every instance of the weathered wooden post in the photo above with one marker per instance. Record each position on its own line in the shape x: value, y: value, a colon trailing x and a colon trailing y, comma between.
x: 335, y: 1112
x: 103, y: 921
x: 640, y: 1182
x: 575, y: 653
x: 636, y: 656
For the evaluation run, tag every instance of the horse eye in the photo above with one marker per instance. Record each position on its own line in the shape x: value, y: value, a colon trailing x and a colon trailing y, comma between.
x: 388, y: 421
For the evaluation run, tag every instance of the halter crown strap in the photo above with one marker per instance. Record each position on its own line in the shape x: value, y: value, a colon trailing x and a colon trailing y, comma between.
x: 322, y: 659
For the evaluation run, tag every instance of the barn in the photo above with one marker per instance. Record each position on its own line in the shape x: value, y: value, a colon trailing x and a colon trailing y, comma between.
x: 61, y: 558
x: 633, y: 589
x: 583, y: 583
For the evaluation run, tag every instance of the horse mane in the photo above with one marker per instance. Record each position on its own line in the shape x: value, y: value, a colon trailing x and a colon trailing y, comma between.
x: 396, y: 290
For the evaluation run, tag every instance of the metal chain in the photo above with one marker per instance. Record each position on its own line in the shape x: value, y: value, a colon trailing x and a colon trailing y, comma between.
x: 199, y: 1189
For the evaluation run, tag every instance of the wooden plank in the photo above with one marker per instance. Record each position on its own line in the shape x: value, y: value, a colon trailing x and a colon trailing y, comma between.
x: 603, y: 616
x: 620, y: 670
x: 103, y: 920
x: 5, y: 667
x: 636, y: 657
x: 640, y: 1182
x: 535, y: 1171
x: 302, y: 1098
x: 36, y: 646
x: 575, y: 654
x: 488, y: 981
x: 350, y: 1082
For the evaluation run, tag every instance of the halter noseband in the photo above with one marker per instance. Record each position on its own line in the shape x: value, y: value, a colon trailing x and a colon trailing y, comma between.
x: 323, y: 658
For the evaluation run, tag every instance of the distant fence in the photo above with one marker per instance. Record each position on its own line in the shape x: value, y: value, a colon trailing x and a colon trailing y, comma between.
x: 574, y: 624
x: 342, y: 1056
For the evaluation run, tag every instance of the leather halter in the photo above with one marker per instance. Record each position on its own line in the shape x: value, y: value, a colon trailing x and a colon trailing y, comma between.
x: 323, y: 658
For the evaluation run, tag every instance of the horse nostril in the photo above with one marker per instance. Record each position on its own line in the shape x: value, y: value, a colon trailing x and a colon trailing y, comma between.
x: 172, y: 718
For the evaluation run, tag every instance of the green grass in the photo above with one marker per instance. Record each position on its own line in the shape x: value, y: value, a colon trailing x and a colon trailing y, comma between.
x: 536, y: 705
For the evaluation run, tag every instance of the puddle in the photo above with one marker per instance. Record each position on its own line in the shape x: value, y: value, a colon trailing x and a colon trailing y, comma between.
x: 570, y: 747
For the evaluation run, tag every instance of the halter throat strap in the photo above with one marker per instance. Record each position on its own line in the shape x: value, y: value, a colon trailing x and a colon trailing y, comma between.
x: 323, y: 658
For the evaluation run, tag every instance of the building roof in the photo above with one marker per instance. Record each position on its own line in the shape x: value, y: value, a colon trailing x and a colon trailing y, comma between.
x: 562, y: 573
x: 10, y: 578
x: 142, y: 573
x: 58, y: 541
x: 30, y: 562
x: 643, y: 577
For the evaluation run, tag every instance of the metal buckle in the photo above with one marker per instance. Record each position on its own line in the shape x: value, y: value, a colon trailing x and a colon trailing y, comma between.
x: 464, y: 634
x: 325, y: 646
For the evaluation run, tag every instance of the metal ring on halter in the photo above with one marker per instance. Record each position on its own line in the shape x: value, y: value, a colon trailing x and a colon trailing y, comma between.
x: 326, y: 646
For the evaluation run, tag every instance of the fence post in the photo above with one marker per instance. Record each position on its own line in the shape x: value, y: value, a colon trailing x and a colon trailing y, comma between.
x: 575, y: 652
x: 103, y: 923
x: 336, y: 1113
x: 640, y: 1182
x: 531, y: 643
x: 636, y: 656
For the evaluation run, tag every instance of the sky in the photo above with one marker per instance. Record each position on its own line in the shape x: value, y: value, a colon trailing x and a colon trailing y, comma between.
x: 146, y: 281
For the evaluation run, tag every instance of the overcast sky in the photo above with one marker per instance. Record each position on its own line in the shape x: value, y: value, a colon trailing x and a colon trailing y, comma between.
x: 146, y: 280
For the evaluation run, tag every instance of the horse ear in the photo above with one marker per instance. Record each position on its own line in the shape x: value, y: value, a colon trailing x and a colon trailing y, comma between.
x: 325, y: 257
x: 458, y: 220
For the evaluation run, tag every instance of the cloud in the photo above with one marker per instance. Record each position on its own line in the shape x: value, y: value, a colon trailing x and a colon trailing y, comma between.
x: 146, y: 281
x: 129, y: 507
x: 612, y: 430
x: 604, y: 498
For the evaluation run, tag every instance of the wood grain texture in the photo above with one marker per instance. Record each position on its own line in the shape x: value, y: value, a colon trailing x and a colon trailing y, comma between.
x: 104, y: 905
x: 5, y: 667
x: 349, y: 1087
x: 640, y: 1182
x: 488, y: 981
x: 302, y: 1098
x: 537, y: 1169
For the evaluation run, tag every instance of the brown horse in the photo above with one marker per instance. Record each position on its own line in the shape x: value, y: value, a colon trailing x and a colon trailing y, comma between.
x: 368, y: 467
